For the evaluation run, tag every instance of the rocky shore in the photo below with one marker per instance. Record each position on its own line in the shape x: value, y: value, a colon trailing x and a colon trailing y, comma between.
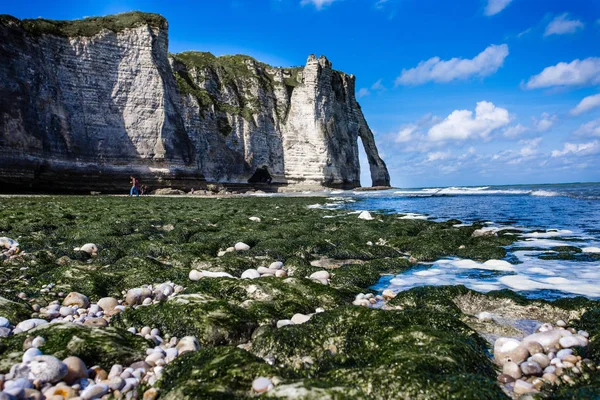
x: 191, y: 298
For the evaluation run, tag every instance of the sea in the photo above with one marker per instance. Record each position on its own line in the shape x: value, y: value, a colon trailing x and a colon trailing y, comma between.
x: 543, y: 218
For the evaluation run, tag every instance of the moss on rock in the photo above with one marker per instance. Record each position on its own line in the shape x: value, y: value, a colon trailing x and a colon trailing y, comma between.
x: 213, y: 322
x: 95, y: 346
x: 213, y: 373
x: 13, y: 311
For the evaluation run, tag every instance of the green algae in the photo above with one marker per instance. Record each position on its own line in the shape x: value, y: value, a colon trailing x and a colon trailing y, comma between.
x: 95, y: 346
x: 213, y: 373
x: 212, y: 322
x: 14, y: 311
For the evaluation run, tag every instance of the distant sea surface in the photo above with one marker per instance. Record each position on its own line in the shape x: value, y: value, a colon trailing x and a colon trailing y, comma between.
x: 547, y: 217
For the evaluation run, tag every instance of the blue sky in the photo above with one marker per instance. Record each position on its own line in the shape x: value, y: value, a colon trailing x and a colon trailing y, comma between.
x: 468, y: 92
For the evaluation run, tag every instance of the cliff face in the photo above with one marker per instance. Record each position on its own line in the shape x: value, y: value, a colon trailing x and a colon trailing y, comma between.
x: 85, y: 104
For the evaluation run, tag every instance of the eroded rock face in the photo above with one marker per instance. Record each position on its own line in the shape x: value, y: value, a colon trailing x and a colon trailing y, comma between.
x: 82, y: 109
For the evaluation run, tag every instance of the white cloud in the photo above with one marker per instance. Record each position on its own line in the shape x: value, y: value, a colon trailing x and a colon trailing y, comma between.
x: 319, y: 4
x: 378, y: 86
x: 362, y: 93
x: 523, y: 33
x: 576, y: 73
x: 380, y: 3
x: 436, y: 70
x: 562, y: 25
x: 586, y: 104
x: 514, y: 131
x: 530, y: 146
x: 406, y: 134
x: 591, y: 128
x: 438, y: 155
x: 581, y: 149
x: 495, y: 6
x: 461, y: 125
x: 545, y: 122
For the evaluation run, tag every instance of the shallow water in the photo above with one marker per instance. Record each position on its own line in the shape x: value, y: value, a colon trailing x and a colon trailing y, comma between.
x: 547, y: 216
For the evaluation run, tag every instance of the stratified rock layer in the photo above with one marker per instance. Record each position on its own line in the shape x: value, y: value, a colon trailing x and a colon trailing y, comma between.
x: 84, y: 104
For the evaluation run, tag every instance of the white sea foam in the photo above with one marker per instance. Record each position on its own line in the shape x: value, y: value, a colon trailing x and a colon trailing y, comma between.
x: 540, y: 271
x: 413, y: 216
x: 591, y: 249
x: 545, y: 193
x: 549, y: 233
x: 429, y: 272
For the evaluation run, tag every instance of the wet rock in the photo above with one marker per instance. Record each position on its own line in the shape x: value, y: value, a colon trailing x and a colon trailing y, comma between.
x: 512, y: 369
x: 4, y: 323
x: 96, y: 322
x: 47, y: 369
x: 137, y: 296
x: 547, y: 339
x: 508, y: 349
x: 504, y: 378
x: 541, y: 359
x: 108, y: 304
x: 531, y: 368
x: 522, y: 387
x: 94, y: 391
x: 388, y: 294
x: 250, y: 274
x: 262, y: 384
x: 533, y: 347
x: 29, y: 324
x: 240, y: 246
x: 188, y: 343
x: 300, y: 318
x: 76, y: 299
x: 89, y: 248
x: 31, y: 353
x: 569, y: 341
x: 76, y: 369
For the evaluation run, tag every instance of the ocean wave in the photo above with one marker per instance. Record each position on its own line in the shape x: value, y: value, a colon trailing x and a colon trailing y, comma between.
x: 546, y: 193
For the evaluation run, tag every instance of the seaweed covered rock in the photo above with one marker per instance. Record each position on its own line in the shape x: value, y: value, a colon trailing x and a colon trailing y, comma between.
x: 95, y: 346
x: 213, y: 373
x: 369, y: 349
x: 273, y: 298
x: 213, y: 322
x: 13, y: 311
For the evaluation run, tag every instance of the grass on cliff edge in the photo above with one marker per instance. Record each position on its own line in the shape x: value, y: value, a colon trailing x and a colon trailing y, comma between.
x: 88, y: 26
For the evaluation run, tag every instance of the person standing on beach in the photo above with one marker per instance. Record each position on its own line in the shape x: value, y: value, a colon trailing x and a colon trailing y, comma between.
x: 134, y: 187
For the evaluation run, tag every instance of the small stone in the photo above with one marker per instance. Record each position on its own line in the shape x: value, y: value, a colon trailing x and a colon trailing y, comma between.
x: 264, y: 270
x: 65, y: 392
x: 147, y: 301
x: 250, y: 274
x: 153, y: 358
x: 4, y: 323
x: 564, y: 353
x: 569, y: 341
x: 584, y: 334
x: 281, y: 273
x: 561, y: 323
x: 115, y: 370
x: 320, y: 275
x: 503, y: 378
x: 284, y: 322
x: 116, y: 383
x: 262, y: 384
x: 76, y: 369
x: 545, y: 327
x: 276, y: 265
x: 512, y: 369
x: 571, y: 358
x: 533, y: 347
x: 108, y: 304
x: 29, y: 324
x: 300, y: 318
x: 31, y: 353
x: 549, y: 377
x: 522, y: 387
x: 187, y: 343
x: 76, y: 299
x: 388, y: 294
x: 137, y: 296
x: 195, y: 275
x: 89, y: 248
x: 94, y: 391
x: 508, y: 349
x: 47, y: 369
x: 5, y: 332
x: 531, y: 368
x: 34, y: 394
x: 540, y: 358
x: 96, y: 322
x: 152, y: 393
x: 240, y: 246
x: 38, y: 342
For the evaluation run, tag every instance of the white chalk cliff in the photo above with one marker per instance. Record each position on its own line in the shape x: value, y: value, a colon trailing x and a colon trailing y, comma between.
x: 84, y: 104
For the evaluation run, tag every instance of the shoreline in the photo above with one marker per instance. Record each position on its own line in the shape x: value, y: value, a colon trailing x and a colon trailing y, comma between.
x: 306, y: 312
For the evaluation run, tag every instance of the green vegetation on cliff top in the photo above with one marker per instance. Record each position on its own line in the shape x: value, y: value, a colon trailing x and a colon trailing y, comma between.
x: 88, y: 26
